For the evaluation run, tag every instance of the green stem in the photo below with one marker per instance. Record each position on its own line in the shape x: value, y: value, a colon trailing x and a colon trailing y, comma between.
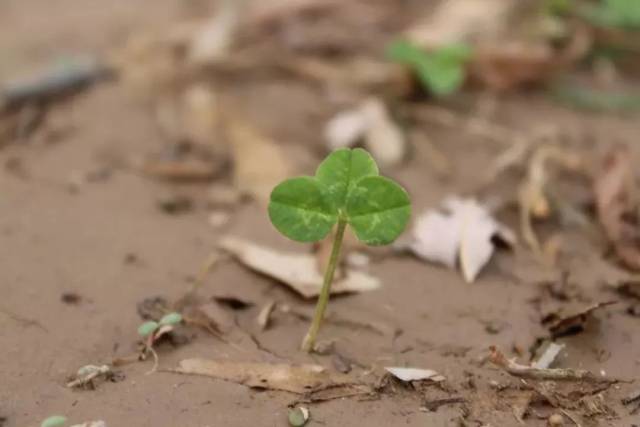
x: 310, y: 339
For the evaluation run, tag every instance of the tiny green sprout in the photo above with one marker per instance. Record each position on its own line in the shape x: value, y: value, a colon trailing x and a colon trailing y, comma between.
x: 148, y: 328
x: 170, y: 319
x: 346, y: 189
x: 54, y: 421
x: 441, y: 71
x: 298, y: 416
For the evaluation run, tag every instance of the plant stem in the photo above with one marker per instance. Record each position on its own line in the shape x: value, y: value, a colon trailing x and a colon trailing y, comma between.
x: 310, y: 339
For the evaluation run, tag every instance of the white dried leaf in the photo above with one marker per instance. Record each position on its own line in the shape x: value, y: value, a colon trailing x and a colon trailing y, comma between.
x: 384, y: 138
x: 345, y: 129
x: 463, y: 232
x: 298, y: 271
x: 458, y: 21
x: 437, y: 238
x: 371, y: 121
x: 283, y: 376
x: 414, y: 374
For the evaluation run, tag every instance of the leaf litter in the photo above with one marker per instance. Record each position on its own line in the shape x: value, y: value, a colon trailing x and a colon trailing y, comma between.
x: 297, y: 271
x: 371, y: 123
x: 616, y: 197
x: 463, y: 232
x: 299, y: 379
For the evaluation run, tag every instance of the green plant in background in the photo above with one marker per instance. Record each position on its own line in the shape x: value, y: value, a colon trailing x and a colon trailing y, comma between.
x: 54, y: 421
x: 623, y: 14
x: 441, y: 71
x: 346, y: 189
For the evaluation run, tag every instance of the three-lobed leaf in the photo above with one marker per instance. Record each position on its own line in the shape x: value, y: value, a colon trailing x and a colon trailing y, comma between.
x: 346, y: 187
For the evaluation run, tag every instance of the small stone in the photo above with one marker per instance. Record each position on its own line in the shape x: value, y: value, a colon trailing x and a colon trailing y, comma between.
x: 555, y: 420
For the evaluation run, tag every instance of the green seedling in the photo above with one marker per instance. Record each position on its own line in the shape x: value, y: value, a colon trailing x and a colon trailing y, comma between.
x: 54, y: 421
x: 346, y: 190
x: 152, y: 331
x: 441, y: 71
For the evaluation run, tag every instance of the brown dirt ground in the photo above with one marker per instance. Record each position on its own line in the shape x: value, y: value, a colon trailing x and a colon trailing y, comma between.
x: 55, y: 241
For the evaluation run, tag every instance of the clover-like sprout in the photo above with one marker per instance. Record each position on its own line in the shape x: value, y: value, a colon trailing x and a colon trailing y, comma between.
x: 346, y: 190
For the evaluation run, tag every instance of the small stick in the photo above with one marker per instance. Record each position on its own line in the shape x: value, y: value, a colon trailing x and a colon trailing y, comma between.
x: 52, y: 83
x: 522, y: 371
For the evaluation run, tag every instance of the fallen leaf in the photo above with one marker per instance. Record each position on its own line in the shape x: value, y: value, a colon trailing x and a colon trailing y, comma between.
x: 370, y: 122
x: 286, y: 377
x: 384, y: 138
x: 414, y: 374
x: 259, y: 164
x: 298, y: 271
x: 617, y: 204
x: 465, y: 231
x: 200, y: 115
x: 562, y: 325
x: 511, y: 64
x: 457, y: 21
x: 345, y: 129
x: 533, y: 200
x: 213, y: 40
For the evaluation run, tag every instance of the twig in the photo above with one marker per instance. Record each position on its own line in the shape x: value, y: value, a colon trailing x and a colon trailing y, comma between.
x: 522, y: 371
x: 52, y: 83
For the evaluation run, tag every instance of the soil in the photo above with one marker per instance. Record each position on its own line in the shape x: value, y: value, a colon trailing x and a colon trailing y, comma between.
x: 76, y: 258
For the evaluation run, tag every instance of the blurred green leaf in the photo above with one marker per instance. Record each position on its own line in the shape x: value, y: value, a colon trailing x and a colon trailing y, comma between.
x: 147, y: 328
x: 54, y: 421
x: 623, y: 14
x: 441, y: 71
x: 171, y: 319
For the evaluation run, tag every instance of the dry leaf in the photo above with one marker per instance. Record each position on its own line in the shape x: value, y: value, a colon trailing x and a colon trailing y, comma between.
x: 345, y: 129
x: 510, y: 64
x: 464, y: 232
x: 370, y: 122
x: 617, y: 205
x: 286, y: 377
x: 214, y: 38
x: 200, y: 115
x: 533, y: 200
x: 456, y: 21
x: 298, y: 271
x: 414, y: 374
x: 562, y: 325
x: 259, y: 164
